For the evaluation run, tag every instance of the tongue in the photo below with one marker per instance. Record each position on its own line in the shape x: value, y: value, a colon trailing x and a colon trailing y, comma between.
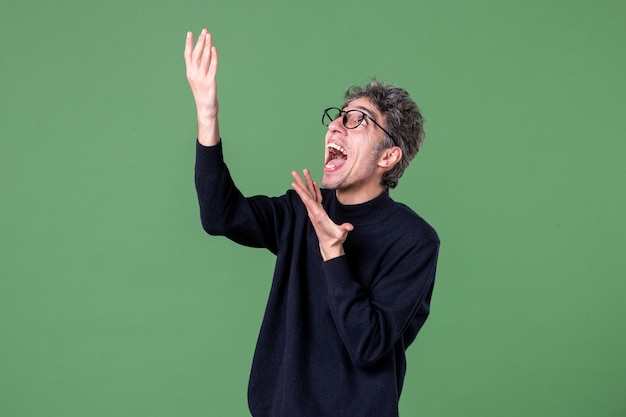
x: 334, y: 164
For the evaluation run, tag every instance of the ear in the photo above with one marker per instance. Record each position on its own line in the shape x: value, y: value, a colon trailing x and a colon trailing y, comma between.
x: 389, y: 157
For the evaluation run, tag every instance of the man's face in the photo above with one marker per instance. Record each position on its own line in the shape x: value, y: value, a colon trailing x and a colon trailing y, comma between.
x: 351, y: 156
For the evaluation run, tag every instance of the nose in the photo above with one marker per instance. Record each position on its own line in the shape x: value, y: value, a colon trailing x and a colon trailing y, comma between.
x: 337, y: 125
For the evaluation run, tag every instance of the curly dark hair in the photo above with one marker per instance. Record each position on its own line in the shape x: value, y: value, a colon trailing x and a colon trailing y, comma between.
x: 402, y: 119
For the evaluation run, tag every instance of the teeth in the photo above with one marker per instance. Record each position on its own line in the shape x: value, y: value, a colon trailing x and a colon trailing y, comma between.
x: 334, y: 148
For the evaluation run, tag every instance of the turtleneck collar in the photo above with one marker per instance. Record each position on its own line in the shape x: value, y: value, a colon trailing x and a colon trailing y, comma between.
x: 372, y: 211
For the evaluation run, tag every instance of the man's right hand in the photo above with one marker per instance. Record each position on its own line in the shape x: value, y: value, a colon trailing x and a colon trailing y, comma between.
x: 201, y: 65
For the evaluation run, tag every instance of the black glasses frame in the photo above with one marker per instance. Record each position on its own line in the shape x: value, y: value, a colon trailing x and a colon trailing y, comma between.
x: 344, y: 120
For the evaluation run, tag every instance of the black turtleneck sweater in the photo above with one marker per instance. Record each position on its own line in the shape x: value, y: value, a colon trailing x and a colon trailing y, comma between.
x: 333, y: 338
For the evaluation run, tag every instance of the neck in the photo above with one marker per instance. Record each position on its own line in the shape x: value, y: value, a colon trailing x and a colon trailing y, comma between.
x: 360, y: 195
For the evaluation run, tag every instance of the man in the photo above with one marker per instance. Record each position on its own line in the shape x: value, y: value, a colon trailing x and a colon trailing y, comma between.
x: 354, y: 270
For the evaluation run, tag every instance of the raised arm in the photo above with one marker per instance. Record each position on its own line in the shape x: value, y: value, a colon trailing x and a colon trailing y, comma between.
x: 201, y: 66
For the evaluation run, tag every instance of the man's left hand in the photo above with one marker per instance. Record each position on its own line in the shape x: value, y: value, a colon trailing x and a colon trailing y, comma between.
x: 330, y: 235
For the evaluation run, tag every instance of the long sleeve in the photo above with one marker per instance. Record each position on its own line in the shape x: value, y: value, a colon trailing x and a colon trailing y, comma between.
x: 225, y: 211
x: 371, y: 320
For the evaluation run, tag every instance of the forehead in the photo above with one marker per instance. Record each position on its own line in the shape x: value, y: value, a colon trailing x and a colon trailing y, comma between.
x: 365, y: 105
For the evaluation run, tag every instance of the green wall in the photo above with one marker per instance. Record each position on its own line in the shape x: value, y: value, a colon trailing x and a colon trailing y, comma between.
x: 113, y: 301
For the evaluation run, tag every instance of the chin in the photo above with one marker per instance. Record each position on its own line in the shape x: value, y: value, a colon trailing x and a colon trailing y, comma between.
x: 327, y: 183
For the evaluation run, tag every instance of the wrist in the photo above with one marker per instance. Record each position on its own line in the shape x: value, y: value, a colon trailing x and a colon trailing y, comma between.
x: 208, y: 131
x: 207, y: 115
x: 332, y: 252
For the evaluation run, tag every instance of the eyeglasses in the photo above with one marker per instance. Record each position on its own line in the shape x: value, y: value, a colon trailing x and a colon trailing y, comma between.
x: 351, y: 118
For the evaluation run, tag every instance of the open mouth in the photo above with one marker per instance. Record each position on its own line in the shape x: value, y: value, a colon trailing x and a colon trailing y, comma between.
x: 336, y: 157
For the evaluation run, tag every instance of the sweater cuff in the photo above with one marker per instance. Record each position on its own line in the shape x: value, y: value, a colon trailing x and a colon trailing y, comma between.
x: 338, y: 273
x: 208, y: 157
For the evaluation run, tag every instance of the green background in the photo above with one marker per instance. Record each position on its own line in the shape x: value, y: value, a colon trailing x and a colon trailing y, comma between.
x: 113, y: 301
